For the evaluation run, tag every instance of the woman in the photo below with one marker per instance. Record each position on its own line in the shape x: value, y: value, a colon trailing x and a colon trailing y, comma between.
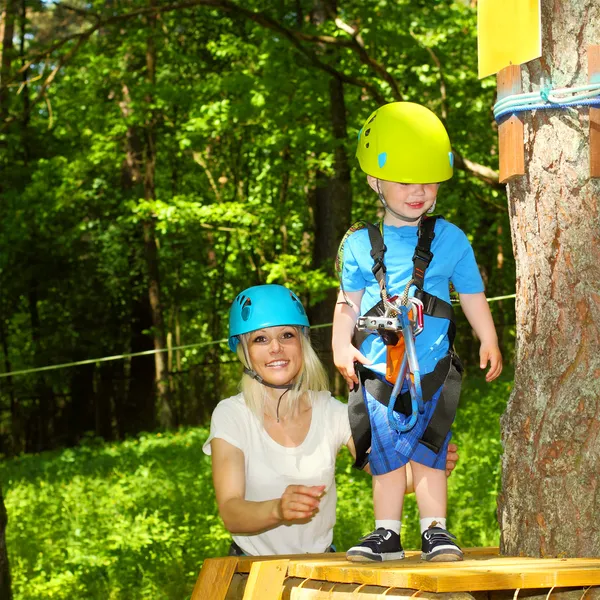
x: 274, y: 445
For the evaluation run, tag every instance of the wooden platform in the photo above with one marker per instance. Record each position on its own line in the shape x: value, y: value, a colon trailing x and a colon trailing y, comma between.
x: 332, y: 576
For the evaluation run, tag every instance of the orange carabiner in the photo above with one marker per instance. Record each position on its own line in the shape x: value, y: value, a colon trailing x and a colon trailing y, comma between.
x: 395, y: 356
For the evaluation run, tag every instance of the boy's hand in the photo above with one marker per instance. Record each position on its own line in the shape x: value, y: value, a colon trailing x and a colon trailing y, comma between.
x: 344, y: 358
x: 451, y: 458
x: 490, y: 353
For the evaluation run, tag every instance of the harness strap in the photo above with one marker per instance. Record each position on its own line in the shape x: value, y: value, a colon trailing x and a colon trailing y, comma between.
x: 447, y: 373
x: 423, y: 255
x: 378, y: 250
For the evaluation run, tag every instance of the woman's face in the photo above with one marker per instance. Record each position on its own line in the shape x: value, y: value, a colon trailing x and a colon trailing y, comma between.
x: 276, y: 353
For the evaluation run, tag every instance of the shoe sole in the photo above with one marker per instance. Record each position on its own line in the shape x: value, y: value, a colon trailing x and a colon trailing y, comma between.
x: 443, y: 556
x: 361, y: 556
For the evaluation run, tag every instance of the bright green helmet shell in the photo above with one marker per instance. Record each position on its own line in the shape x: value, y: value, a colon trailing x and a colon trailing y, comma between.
x: 405, y: 142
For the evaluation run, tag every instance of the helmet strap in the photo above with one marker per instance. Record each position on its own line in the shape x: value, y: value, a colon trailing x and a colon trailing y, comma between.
x: 255, y: 375
x: 287, y: 387
x: 391, y: 210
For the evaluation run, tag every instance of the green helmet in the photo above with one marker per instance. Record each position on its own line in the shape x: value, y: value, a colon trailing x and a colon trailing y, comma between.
x: 405, y: 142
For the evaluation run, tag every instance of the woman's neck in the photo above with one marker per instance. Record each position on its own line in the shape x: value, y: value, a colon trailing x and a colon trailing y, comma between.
x: 275, y: 406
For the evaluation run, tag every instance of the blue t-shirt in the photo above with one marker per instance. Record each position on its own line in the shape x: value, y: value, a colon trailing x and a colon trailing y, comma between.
x: 453, y: 261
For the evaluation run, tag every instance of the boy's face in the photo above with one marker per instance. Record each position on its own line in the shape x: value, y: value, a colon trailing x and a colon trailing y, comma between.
x: 409, y: 199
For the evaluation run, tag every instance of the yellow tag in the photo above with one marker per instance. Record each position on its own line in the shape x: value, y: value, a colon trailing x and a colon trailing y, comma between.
x: 509, y: 32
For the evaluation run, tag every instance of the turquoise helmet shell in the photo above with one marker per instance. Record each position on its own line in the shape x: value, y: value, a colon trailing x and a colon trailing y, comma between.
x: 264, y: 306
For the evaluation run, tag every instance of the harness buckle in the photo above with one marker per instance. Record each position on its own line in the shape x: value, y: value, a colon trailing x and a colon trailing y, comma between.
x: 378, y: 265
x: 423, y: 255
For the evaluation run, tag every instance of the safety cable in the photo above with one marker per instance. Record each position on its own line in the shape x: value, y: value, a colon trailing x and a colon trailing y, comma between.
x: 546, y: 98
x: 91, y: 361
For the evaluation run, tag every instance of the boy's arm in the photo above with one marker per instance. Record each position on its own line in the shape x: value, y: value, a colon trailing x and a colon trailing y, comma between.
x: 477, y: 311
x: 344, y: 320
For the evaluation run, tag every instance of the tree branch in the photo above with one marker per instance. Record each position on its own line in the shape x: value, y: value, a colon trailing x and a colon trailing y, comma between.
x: 358, y: 45
x: 262, y: 19
x: 295, y: 38
x: 481, y: 172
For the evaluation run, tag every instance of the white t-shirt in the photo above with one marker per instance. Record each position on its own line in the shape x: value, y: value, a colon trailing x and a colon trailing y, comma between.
x: 270, y: 468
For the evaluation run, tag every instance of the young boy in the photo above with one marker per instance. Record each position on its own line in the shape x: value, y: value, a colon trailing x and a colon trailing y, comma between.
x: 405, y: 151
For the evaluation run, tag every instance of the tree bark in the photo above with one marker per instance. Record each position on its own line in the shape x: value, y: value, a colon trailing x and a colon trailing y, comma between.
x: 165, y: 411
x: 332, y: 205
x: 7, y: 32
x: 550, y: 498
x: 332, y: 214
x: 5, y: 585
x: 137, y: 412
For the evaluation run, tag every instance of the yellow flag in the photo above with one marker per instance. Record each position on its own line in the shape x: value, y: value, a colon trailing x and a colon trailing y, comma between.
x: 509, y: 32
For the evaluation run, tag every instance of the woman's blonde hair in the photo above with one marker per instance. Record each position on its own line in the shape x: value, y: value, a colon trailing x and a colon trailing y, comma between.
x: 311, y: 377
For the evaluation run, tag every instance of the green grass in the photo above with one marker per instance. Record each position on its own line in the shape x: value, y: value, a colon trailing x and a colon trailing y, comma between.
x: 136, y: 519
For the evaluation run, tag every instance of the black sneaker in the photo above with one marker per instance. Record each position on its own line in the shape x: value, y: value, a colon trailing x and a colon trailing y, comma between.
x: 438, y: 545
x: 382, y: 544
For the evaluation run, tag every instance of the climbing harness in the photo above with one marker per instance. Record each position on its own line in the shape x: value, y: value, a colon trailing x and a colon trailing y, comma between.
x: 402, y: 362
x: 397, y: 320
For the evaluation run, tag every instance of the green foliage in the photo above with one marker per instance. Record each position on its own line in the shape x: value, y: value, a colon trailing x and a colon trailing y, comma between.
x: 132, y: 520
x: 136, y: 519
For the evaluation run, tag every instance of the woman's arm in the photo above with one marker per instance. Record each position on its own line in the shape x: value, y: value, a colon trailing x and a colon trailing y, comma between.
x: 242, y: 516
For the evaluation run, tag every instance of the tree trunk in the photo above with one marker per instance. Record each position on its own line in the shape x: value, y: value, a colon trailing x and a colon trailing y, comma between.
x: 332, y: 214
x: 165, y: 411
x: 550, y: 498
x: 137, y: 412
x: 5, y: 588
x: 42, y: 419
x: 7, y: 32
x: 83, y: 400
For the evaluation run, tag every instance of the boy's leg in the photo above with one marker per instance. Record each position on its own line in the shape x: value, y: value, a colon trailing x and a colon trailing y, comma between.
x: 388, y: 498
x: 432, y: 492
x: 431, y: 489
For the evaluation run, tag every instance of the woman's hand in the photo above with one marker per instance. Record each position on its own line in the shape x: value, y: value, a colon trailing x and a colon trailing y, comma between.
x: 300, y: 502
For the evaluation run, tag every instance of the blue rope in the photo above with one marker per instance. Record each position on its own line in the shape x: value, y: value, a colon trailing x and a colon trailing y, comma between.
x: 518, y: 109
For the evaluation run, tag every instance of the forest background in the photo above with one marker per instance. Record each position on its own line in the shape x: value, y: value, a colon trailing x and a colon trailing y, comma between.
x: 157, y: 159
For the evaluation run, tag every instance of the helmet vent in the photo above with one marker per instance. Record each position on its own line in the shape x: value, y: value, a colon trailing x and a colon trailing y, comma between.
x: 372, y: 119
x: 246, y: 309
x: 367, y: 145
x: 367, y: 132
x: 298, y: 304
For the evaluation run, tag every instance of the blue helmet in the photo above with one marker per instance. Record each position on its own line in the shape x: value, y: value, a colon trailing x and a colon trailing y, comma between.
x: 264, y: 306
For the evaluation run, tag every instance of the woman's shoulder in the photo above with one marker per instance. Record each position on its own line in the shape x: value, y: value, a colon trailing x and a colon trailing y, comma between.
x: 232, y: 405
x: 328, y: 402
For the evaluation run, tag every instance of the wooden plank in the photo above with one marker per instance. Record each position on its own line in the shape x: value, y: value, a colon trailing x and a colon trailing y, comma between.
x: 510, y: 131
x: 214, y: 578
x: 594, y: 77
x: 245, y: 562
x: 471, y: 575
x: 265, y: 581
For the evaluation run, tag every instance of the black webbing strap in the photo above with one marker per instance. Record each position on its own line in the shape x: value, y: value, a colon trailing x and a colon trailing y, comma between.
x: 423, y: 255
x: 445, y: 411
x: 358, y: 413
x: 436, y: 307
x: 447, y: 373
x: 378, y: 250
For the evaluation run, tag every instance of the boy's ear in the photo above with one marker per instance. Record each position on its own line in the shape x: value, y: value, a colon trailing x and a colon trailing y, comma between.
x: 372, y: 181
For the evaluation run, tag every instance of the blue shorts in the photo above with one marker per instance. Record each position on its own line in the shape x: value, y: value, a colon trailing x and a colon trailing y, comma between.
x: 391, y: 450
